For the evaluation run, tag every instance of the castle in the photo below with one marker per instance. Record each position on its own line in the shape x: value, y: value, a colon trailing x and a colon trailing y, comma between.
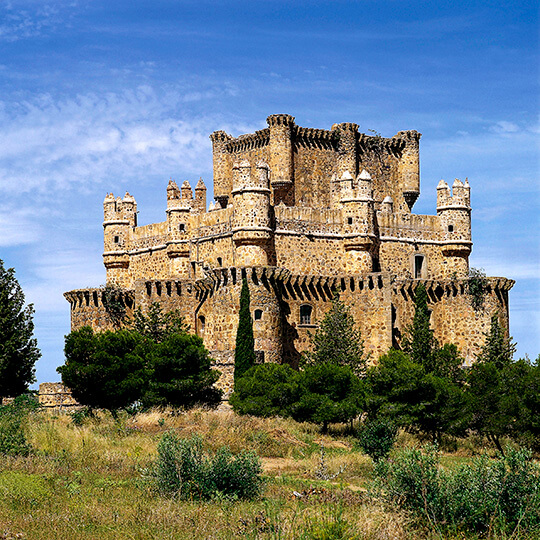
x: 299, y: 212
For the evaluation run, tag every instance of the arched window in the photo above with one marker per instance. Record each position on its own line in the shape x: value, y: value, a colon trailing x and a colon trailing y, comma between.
x: 305, y: 314
x: 257, y: 314
x: 202, y: 324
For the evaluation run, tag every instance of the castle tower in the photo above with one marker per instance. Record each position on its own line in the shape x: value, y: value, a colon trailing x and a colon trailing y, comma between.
x: 120, y: 217
x: 409, y: 167
x: 178, y: 208
x: 199, y: 204
x: 251, y: 216
x: 454, y: 212
x: 222, y: 182
x: 347, y: 148
x: 358, y: 225
x: 281, y: 157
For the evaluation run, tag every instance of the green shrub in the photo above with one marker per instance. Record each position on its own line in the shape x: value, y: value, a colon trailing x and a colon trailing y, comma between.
x: 12, y: 420
x: 498, y: 495
x: 184, y: 469
x: 377, y: 437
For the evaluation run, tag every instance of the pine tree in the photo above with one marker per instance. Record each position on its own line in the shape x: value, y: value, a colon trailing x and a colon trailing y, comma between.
x: 18, y: 349
x: 244, y: 354
x: 337, y: 341
x: 497, y: 348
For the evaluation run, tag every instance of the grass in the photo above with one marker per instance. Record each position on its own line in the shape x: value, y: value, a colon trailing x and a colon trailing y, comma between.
x: 88, y: 482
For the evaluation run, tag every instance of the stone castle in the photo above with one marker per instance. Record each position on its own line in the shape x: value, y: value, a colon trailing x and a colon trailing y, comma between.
x: 300, y: 213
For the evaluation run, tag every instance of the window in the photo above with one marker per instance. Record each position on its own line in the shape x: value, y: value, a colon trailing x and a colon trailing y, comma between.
x: 257, y: 315
x: 220, y: 262
x: 181, y: 227
x: 349, y: 221
x: 202, y: 324
x: 450, y: 228
x: 418, y: 266
x: 305, y: 314
x: 116, y: 239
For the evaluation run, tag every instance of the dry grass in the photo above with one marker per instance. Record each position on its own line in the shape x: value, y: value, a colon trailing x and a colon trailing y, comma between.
x: 87, y: 482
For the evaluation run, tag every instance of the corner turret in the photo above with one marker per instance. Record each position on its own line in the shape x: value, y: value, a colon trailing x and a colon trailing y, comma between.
x: 409, y: 166
x: 454, y: 211
x: 281, y: 157
x: 120, y: 218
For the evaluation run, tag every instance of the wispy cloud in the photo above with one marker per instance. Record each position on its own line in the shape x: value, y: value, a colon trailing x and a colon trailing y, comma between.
x: 59, y: 143
x: 22, y: 19
x: 18, y: 225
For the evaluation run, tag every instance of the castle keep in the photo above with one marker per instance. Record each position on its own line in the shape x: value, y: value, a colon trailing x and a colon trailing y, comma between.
x: 299, y: 212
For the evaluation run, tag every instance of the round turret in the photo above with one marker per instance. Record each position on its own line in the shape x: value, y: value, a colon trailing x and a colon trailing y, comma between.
x: 251, y: 215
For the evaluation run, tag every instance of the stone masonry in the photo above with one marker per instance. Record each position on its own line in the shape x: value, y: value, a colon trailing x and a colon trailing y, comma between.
x: 300, y: 213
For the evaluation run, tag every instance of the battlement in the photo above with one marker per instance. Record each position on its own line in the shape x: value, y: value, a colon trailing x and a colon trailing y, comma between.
x: 457, y: 198
x: 300, y: 213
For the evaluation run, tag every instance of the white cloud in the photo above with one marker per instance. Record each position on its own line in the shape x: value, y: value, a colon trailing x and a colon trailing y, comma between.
x: 18, y: 226
x: 22, y: 19
x: 52, y: 144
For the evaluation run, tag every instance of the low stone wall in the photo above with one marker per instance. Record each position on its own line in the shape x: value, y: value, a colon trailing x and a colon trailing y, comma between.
x: 56, y: 396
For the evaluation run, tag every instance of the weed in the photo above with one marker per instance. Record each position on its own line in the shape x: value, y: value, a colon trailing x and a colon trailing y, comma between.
x: 184, y: 468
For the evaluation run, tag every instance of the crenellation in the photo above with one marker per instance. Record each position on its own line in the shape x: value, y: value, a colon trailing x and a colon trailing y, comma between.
x: 301, y: 213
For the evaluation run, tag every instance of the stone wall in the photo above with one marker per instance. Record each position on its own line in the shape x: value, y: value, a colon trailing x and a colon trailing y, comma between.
x: 56, y: 396
x: 299, y: 212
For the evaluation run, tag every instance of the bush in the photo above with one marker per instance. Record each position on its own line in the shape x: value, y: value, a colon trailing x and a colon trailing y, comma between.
x: 497, y: 495
x: 377, y: 438
x: 184, y: 469
x: 12, y: 419
x: 266, y: 390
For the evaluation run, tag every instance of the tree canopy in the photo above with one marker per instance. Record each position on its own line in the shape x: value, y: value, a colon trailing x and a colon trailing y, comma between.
x: 337, y: 341
x: 18, y: 347
x: 153, y: 361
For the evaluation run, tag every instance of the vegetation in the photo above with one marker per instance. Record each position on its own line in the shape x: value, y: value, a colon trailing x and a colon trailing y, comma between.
x: 337, y: 341
x: 503, y: 394
x: 327, y: 389
x: 477, y: 288
x: 13, y: 418
x: 377, y: 438
x: 157, y: 325
x: 244, y: 352
x: 180, y: 373
x: 322, y: 394
x: 96, y: 480
x: 487, y: 496
x: 153, y: 361
x: 422, y: 387
x: 113, y: 302
x: 18, y: 349
x: 184, y: 469
x: 106, y: 369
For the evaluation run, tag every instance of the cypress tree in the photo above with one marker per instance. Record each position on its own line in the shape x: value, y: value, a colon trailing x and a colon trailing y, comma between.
x: 419, y: 341
x: 244, y: 354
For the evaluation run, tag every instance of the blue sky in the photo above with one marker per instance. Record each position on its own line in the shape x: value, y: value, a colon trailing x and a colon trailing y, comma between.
x: 102, y: 96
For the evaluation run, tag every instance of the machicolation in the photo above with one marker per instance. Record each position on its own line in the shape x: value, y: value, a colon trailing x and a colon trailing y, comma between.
x: 300, y: 212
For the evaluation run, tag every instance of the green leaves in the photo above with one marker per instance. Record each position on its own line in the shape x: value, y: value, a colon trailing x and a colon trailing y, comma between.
x: 159, y: 365
x: 336, y: 341
x: 18, y: 348
x: 244, y: 353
